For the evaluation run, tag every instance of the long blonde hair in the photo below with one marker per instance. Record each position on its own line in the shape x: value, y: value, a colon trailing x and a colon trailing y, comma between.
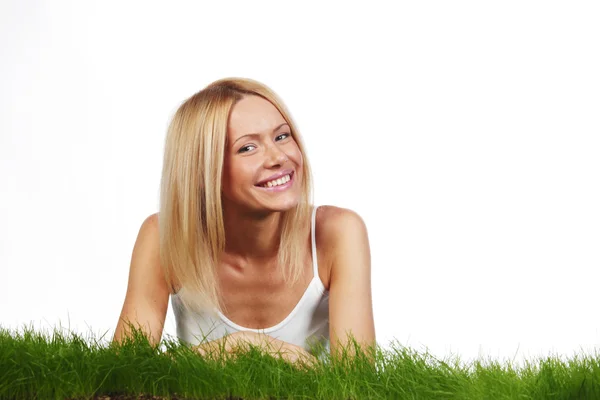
x: 192, y: 233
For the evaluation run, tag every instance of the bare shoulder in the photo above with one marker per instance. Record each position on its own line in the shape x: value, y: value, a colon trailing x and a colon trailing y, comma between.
x: 333, y: 226
x: 149, y: 238
x: 350, y: 298
x: 148, y: 235
x: 147, y: 243
x: 331, y: 221
x: 151, y: 224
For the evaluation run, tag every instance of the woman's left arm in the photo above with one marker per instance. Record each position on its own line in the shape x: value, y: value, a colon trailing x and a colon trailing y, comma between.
x: 292, y: 353
x: 350, y: 299
x: 344, y: 234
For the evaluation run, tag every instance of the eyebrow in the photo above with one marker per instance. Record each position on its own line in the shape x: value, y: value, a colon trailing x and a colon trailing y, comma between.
x: 256, y: 134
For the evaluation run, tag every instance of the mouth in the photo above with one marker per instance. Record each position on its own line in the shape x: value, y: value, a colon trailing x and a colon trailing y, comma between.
x: 278, y: 185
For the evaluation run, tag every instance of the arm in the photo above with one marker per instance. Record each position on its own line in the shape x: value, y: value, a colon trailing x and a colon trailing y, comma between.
x: 290, y: 352
x: 237, y: 341
x: 147, y: 300
x: 350, y: 300
x: 147, y: 297
x: 230, y: 344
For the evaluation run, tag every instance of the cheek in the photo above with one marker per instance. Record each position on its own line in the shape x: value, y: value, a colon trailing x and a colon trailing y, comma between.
x: 297, y: 155
x: 228, y: 180
x: 236, y: 176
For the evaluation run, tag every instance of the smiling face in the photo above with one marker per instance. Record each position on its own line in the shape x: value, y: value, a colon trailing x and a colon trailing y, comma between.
x: 260, y: 147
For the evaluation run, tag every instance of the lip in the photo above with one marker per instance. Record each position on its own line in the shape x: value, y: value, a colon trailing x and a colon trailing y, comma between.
x: 276, y: 176
x: 280, y: 188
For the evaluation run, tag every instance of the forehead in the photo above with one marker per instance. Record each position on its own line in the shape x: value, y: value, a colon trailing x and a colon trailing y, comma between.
x: 253, y: 114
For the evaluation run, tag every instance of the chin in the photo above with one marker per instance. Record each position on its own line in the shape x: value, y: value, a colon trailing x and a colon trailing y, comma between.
x: 286, y: 207
x: 261, y: 205
x: 283, y: 204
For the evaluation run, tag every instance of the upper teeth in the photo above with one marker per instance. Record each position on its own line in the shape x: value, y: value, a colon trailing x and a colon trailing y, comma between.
x: 277, y: 182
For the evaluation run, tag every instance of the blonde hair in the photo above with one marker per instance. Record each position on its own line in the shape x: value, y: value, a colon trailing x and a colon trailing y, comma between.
x: 190, y: 219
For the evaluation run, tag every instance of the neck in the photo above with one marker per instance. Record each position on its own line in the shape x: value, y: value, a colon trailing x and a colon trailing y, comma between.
x: 252, y: 237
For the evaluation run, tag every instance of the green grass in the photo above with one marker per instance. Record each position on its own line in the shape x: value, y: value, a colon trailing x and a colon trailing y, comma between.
x: 66, y: 366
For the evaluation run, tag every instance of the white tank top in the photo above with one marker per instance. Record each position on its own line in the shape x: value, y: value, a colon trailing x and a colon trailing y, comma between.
x: 307, y: 323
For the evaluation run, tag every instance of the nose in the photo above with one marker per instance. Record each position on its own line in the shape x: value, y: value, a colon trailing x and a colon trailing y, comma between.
x: 275, y: 156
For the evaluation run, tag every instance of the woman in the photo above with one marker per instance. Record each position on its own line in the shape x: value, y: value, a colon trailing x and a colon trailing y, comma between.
x: 237, y: 243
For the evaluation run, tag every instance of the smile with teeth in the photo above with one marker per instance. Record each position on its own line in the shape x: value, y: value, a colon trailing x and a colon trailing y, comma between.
x: 277, y: 182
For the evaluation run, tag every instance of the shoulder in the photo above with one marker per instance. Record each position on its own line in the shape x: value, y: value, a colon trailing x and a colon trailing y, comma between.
x: 350, y: 297
x: 332, y: 221
x: 151, y: 223
x: 339, y: 229
x: 148, y: 234
x: 149, y: 237
x: 147, y: 245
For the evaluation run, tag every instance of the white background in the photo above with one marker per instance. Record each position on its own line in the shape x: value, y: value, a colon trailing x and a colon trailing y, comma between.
x: 466, y: 134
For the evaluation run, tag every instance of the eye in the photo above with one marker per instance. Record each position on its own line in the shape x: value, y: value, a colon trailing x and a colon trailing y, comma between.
x: 284, y: 134
x: 245, y: 147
